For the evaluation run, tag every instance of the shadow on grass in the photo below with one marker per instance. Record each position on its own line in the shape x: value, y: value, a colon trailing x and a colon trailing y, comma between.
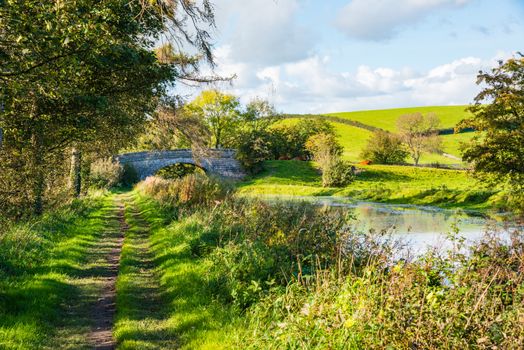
x: 189, y: 310
x: 292, y: 172
x: 54, y: 297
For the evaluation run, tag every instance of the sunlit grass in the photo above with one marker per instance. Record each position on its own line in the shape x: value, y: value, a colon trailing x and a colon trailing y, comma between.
x: 387, y: 118
x: 45, y: 287
x: 187, y: 316
x: 381, y: 183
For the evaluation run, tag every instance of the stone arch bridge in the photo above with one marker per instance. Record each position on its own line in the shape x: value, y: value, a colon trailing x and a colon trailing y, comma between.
x: 217, y: 162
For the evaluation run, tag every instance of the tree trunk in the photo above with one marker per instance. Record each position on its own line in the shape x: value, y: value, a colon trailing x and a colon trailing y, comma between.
x: 75, y: 178
x: 37, y: 169
x: 416, y: 158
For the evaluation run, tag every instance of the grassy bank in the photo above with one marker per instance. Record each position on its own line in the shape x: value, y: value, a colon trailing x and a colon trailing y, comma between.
x: 293, y: 276
x: 46, y: 274
x: 380, y: 183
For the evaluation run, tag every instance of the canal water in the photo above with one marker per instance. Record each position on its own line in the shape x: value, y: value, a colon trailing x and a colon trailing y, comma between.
x: 419, y: 227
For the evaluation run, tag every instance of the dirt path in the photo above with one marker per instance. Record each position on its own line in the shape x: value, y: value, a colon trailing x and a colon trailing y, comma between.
x: 104, y: 309
x: 143, y: 313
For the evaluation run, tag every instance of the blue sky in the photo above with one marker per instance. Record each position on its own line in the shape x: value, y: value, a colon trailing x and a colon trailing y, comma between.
x: 323, y: 56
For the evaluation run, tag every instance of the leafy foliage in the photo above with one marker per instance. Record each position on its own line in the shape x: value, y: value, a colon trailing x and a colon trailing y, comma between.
x: 497, y: 150
x: 220, y: 114
x: 385, y: 148
x: 105, y: 173
x: 83, y: 74
x: 178, y: 170
x: 420, y: 133
x: 337, y: 173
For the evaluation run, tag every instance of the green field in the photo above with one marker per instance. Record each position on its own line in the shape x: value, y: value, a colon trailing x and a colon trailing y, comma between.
x: 386, y: 118
x: 380, y: 183
x: 354, y: 139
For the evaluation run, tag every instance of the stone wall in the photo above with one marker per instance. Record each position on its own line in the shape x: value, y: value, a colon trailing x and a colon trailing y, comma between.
x: 218, y: 162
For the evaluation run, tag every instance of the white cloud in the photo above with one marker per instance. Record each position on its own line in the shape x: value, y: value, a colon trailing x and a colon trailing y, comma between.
x: 264, y: 31
x: 382, y: 19
x: 310, y: 86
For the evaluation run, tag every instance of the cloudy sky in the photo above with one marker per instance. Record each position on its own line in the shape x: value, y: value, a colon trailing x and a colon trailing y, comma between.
x: 343, y: 55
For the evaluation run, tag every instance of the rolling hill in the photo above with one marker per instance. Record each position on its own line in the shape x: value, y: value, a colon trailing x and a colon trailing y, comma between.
x: 354, y: 137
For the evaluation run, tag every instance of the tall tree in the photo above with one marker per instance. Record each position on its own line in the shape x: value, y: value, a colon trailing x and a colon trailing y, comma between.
x: 220, y: 112
x: 77, y: 72
x: 420, y: 134
x: 497, y: 150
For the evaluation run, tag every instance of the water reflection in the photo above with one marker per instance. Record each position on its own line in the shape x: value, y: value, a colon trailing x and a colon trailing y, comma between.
x: 418, y: 226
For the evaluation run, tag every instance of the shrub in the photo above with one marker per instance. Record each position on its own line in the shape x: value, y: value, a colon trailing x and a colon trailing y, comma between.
x: 267, y: 244
x: 289, y: 141
x: 324, y: 148
x: 448, y: 300
x: 385, y: 148
x: 337, y: 173
x: 178, y: 170
x: 253, y: 147
x: 189, y: 192
x: 105, y: 173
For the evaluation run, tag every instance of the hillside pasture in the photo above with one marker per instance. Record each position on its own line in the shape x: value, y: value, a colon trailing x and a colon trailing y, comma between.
x: 387, y: 118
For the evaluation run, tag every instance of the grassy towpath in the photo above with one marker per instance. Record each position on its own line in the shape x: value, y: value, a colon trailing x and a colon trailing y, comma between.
x: 90, y: 312
x: 143, y: 313
x: 63, y: 297
x: 164, y: 299
x: 120, y: 274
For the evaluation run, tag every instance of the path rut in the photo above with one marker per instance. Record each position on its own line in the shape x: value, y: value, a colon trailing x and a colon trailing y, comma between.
x: 104, y: 309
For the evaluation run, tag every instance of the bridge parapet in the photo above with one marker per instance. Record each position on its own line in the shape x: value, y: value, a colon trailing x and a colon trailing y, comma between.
x: 221, y: 162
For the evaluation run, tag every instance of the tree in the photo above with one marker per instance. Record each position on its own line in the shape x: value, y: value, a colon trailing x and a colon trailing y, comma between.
x: 324, y: 148
x: 259, y: 115
x: 220, y: 113
x: 253, y: 140
x: 83, y: 74
x: 171, y: 127
x: 420, y: 134
x: 326, y: 152
x: 385, y: 148
x: 497, y: 150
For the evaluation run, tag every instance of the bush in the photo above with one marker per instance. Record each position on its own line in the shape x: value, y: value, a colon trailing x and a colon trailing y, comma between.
x: 253, y: 147
x: 385, y: 148
x: 444, y: 300
x: 337, y: 173
x: 267, y: 244
x: 189, y: 192
x: 105, y: 173
x: 179, y: 170
x: 324, y: 148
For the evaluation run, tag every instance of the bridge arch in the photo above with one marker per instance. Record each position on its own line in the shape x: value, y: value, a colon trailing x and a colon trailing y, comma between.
x: 217, y: 162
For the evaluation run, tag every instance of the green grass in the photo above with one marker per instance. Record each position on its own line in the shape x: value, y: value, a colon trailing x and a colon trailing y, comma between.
x: 388, y: 184
x: 386, y: 119
x: 142, y: 320
x: 186, y: 315
x: 48, y: 276
x: 354, y: 139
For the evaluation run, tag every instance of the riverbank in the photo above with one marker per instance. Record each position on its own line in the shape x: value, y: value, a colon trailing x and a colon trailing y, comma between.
x: 451, y: 189
x: 201, y: 268
x: 279, y: 272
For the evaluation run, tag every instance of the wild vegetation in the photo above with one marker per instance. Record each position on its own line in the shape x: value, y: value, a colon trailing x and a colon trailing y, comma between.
x: 297, y: 278
x: 89, y: 258
x: 78, y: 81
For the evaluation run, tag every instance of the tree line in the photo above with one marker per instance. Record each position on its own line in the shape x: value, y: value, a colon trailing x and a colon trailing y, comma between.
x: 78, y: 80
